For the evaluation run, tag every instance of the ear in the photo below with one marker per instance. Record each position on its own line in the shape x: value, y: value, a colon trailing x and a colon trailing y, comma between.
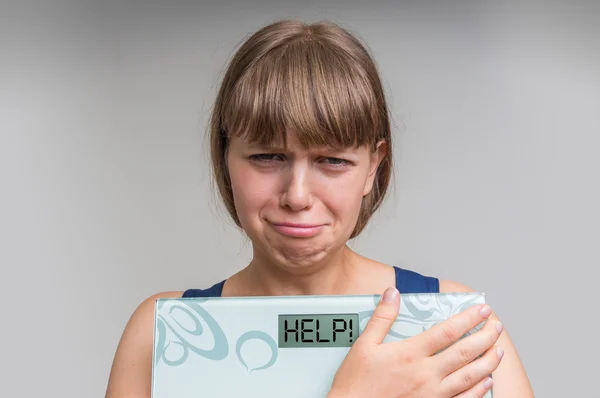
x: 376, y: 157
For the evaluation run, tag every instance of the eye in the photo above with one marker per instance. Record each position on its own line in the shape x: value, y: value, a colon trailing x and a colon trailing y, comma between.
x: 265, y: 157
x: 336, y: 162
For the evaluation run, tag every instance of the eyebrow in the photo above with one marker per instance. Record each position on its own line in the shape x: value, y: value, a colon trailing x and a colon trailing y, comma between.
x: 269, y: 147
x: 282, y: 149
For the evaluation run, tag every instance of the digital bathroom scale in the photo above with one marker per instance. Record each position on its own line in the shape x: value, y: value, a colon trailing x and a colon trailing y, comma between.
x: 279, y: 346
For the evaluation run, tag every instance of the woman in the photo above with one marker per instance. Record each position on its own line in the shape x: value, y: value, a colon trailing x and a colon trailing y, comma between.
x: 302, y: 156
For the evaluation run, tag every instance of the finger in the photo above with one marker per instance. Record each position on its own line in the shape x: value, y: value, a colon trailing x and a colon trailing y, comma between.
x: 478, y: 390
x: 467, y: 376
x: 468, y: 349
x: 447, y: 332
x: 383, y: 317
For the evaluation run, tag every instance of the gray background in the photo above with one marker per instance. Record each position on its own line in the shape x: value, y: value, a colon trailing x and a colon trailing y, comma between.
x: 106, y: 198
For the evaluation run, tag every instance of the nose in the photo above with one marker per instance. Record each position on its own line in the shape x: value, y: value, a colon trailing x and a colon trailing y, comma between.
x: 297, y: 194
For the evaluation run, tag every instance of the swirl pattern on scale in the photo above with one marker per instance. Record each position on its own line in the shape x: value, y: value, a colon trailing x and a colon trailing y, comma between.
x: 193, y: 312
x: 170, y: 331
x: 419, y: 312
x: 257, y: 335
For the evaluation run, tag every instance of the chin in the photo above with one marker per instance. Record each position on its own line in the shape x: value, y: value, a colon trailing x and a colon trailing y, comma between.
x: 299, y: 256
x: 303, y: 258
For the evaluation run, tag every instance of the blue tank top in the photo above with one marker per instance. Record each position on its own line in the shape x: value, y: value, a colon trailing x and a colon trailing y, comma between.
x: 407, y: 281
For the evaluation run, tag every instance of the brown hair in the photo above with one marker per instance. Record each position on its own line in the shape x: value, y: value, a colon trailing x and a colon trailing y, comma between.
x: 316, y: 80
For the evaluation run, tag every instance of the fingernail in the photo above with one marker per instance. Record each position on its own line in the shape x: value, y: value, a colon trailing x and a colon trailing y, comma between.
x: 389, y: 294
x: 488, y: 383
x: 485, y: 311
x: 499, y: 327
x: 500, y: 352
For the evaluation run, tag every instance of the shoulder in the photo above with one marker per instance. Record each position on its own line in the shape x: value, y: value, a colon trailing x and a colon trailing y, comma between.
x: 510, y: 378
x: 145, y: 310
x: 449, y: 286
x: 143, y: 316
x: 131, y: 370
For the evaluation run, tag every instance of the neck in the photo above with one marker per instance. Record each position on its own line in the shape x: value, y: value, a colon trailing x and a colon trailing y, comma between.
x: 332, y: 275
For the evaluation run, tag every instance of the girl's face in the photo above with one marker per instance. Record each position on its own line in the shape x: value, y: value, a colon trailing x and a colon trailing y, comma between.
x: 299, y: 206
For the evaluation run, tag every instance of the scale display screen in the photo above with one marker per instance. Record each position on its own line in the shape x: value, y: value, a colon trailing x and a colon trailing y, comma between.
x: 317, y: 330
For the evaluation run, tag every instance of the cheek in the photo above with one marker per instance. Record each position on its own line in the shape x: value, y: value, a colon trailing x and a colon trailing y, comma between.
x: 251, y: 192
x: 344, y: 197
x: 351, y: 208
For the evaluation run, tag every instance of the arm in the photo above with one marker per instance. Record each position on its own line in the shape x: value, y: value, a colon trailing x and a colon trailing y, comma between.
x: 510, y: 378
x: 131, y: 372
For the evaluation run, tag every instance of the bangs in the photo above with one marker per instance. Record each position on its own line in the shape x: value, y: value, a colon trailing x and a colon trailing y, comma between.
x: 320, y: 95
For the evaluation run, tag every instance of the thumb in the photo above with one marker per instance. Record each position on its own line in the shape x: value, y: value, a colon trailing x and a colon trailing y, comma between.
x: 383, y: 317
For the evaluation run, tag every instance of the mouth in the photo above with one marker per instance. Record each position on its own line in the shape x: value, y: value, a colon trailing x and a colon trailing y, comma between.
x: 298, y: 230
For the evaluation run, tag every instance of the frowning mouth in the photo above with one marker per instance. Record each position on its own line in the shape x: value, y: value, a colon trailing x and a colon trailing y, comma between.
x: 296, y: 230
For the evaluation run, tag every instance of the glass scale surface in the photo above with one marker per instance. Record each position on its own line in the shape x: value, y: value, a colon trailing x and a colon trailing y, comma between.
x: 279, y: 346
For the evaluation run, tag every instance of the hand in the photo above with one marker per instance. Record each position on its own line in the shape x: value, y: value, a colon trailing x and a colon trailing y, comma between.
x: 411, y: 368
